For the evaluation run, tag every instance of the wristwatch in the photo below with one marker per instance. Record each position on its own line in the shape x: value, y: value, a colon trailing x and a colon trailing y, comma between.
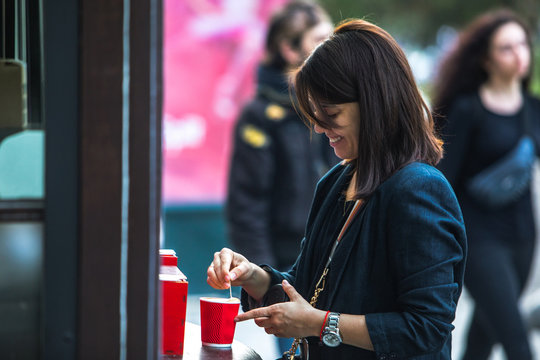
x: 331, y: 336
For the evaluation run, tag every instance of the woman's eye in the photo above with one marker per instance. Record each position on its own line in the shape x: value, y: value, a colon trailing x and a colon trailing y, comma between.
x: 333, y: 116
x: 523, y: 44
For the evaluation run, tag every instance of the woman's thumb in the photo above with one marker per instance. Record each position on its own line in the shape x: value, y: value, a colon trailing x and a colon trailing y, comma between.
x: 290, y: 291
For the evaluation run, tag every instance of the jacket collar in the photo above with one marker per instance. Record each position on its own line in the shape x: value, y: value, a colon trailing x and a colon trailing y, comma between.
x: 272, y: 84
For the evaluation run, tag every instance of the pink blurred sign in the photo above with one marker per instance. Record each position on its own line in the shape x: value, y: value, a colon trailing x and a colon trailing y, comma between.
x: 211, y: 50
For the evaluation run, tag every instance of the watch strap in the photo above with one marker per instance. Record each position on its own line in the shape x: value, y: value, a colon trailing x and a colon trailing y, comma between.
x: 331, y: 331
x: 333, y: 321
x: 323, y: 325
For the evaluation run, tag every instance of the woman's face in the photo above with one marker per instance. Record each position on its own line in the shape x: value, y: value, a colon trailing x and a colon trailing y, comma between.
x: 343, y: 135
x: 314, y: 37
x: 509, y: 53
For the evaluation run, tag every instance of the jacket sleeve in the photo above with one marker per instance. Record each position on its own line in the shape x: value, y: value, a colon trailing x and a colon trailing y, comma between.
x: 457, y: 133
x: 427, y: 248
x: 249, y: 192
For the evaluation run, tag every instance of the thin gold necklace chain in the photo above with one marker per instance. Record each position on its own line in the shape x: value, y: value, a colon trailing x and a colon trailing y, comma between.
x: 318, y: 289
x: 322, y: 281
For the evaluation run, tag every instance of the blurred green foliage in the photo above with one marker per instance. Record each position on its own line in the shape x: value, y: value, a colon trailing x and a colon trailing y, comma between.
x: 419, y: 20
x: 535, y: 84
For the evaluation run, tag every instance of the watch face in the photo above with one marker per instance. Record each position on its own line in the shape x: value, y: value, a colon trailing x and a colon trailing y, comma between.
x: 331, y: 339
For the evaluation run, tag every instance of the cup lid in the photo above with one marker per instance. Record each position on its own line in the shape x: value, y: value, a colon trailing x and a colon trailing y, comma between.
x: 169, y: 252
x: 227, y: 300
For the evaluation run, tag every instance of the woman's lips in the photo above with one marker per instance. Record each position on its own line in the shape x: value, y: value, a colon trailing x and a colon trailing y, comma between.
x: 334, y: 140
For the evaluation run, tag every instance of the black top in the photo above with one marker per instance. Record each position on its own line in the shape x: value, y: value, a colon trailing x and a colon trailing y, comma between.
x: 275, y: 165
x: 474, y: 139
x: 401, y: 263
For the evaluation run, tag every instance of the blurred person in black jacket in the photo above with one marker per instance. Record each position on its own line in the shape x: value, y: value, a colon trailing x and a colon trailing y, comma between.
x: 276, y: 160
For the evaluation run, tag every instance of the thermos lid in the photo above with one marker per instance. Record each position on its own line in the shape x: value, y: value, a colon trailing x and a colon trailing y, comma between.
x: 167, y: 252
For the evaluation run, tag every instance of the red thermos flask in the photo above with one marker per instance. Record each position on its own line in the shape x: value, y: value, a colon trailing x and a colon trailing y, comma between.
x: 174, y: 287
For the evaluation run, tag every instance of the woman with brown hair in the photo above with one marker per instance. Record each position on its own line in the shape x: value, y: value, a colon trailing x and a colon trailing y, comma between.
x: 484, y: 109
x: 383, y: 254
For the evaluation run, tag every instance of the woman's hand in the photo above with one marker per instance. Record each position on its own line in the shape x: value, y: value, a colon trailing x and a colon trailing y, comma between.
x: 229, y: 268
x: 296, y: 318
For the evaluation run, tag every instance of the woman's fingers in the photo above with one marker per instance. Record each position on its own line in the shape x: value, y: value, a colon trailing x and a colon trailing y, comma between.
x: 291, y: 291
x: 215, y: 284
x: 288, y: 319
x: 217, y: 271
x: 212, y: 279
x: 222, y: 265
x: 227, y: 267
x: 264, y: 312
x: 270, y: 318
x: 241, y: 270
x: 263, y: 322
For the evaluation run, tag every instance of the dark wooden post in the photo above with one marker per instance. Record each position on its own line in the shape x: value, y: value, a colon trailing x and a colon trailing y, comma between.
x: 114, y: 141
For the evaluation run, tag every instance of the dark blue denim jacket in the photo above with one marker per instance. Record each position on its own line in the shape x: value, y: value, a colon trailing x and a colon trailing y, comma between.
x: 401, y: 263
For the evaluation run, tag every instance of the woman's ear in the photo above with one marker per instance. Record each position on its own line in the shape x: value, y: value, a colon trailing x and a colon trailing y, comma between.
x: 292, y: 55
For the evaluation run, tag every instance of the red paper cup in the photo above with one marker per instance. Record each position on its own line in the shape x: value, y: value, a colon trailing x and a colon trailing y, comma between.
x: 217, y: 320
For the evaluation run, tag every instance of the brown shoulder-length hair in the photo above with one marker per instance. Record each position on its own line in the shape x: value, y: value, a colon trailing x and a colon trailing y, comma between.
x: 462, y: 69
x: 362, y: 63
